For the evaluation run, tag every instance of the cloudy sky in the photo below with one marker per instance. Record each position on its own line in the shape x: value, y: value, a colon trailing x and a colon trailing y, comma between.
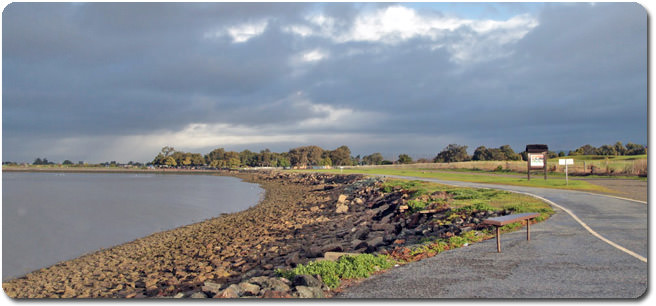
x: 97, y: 82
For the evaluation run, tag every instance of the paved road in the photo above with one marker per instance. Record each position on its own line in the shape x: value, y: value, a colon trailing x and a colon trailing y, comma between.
x: 562, y: 260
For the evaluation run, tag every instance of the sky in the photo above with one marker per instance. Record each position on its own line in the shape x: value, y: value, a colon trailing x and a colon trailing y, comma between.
x: 98, y: 82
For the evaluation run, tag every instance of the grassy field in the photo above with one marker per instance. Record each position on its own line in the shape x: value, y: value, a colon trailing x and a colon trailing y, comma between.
x: 536, y: 181
x: 625, y: 166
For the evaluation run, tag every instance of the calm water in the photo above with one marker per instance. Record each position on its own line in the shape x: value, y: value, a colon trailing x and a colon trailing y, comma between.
x: 50, y: 217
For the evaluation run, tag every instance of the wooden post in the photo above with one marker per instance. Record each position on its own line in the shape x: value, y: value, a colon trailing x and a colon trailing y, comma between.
x: 528, y: 229
x: 498, y: 239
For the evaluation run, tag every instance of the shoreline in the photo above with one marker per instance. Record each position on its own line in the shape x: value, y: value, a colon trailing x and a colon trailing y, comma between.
x: 146, y: 263
x: 303, y: 217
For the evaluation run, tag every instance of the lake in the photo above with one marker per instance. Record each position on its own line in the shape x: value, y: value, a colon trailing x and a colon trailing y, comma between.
x: 50, y: 217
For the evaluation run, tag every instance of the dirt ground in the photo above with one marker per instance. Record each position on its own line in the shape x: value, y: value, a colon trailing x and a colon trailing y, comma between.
x: 632, y: 189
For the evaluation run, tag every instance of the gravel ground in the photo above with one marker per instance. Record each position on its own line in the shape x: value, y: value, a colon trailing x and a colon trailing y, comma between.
x: 632, y: 189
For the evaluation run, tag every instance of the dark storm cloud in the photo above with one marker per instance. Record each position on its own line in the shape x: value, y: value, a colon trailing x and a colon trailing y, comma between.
x: 573, y: 74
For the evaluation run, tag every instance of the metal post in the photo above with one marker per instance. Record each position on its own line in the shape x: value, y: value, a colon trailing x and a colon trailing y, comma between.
x: 498, y: 239
x: 545, y: 165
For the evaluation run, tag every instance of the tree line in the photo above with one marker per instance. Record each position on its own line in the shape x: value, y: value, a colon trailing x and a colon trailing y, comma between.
x: 457, y: 153
x: 305, y: 156
x: 310, y: 156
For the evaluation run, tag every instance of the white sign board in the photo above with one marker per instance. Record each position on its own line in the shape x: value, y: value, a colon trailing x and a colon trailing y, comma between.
x: 567, y: 161
x: 537, y: 160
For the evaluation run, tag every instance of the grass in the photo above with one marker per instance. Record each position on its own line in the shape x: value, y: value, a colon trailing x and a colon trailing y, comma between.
x: 536, y: 181
x: 478, y: 199
x: 346, y: 267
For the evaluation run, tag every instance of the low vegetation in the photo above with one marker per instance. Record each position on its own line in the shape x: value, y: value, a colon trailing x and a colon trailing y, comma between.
x: 456, y: 202
x: 346, y: 267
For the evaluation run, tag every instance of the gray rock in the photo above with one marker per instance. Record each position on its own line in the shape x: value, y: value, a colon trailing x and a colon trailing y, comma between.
x: 233, y: 291
x: 198, y: 295
x: 333, y: 247
x: 211, y: 287
x: 313, y: 252
x: 309, y: 292
x: 179, y: 295
x: 306, y: 280
x: 361, y: 233
x: 358, y: 244
x: 375, y: 242
x: 272, y: 283
x: 248, y: 289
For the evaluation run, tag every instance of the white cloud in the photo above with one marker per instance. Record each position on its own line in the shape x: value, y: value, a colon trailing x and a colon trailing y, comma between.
x: 242, y: 32
x: 466, y: 39
x: 314, y: 55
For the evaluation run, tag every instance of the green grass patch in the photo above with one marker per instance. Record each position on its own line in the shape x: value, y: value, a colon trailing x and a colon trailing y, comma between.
x: 346, y: 267
x: 537, y: 181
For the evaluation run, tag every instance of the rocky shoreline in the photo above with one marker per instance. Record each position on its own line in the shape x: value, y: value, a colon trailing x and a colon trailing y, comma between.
x: 302, y: 218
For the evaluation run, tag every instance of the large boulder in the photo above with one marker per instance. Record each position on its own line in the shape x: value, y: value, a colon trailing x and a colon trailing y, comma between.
x: 306, y: 280
x: 309, y: 292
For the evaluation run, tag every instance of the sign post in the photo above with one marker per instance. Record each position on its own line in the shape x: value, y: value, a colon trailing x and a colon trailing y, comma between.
x: 566, y: 162
x: 536, y: 159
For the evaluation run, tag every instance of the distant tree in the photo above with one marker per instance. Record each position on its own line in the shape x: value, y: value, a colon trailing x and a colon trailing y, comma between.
x: 607, y: 150
x: 586, y: 150
x: 215, y: 155
x: 495, y: 154
x: 619, y: 148
x: 67, y: 162
x: 561, y: 153
x: 480, y: 153
x: 326, y: 161
x: 404, y: 159
x: 452, y: 153
x: 341, y: 156
x: 38, y: 161
x: 508, y: 153
x: 169, y: 161
x: 166, y: 151
x: 373, y: 159
x: 635, y: 149
x: 386, y: 162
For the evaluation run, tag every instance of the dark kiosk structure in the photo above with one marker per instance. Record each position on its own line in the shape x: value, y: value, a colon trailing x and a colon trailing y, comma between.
x: 536, y: 158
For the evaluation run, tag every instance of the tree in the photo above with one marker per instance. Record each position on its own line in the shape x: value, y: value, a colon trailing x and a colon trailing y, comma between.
x: 341, y: 156
x: 170, y: 161
x: 404, y: 159
x: 509, y: 153
x: 607, y: 150
x: 373, y: 159
x: 166, y: 151
x: 586, y: 150
x: 216, y: 154
x: 452, y: 153
x: 635, y: 149
x: 619, y: 148
x: 67, y: 162
x: 480, y: 153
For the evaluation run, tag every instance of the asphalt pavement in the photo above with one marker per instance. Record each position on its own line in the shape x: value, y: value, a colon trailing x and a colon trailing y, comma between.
x: 563, y: 259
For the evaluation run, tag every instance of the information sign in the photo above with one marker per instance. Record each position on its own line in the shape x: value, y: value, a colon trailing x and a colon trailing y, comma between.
x: 537, y: 160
